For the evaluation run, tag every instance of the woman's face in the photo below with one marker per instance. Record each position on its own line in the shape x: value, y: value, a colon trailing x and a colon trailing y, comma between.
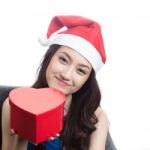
x: 67, y: 70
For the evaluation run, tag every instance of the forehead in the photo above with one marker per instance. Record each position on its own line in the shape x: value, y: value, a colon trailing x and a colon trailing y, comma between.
x: 73, y: 54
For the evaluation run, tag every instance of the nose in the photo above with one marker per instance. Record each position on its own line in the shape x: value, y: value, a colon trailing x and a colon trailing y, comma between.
x: 66, y: 74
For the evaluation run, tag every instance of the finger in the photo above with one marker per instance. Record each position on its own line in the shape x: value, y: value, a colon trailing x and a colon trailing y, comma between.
x: 57, y: 134
x: 12, y: 131
x: 52, y: 138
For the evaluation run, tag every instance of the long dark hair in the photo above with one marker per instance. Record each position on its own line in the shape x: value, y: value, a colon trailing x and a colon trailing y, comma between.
x: 81, y: 119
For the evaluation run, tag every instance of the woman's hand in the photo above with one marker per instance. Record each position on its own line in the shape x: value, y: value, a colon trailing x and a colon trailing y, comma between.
x: 51, y: 138
x: 54, y: 137
x: 12, y: 131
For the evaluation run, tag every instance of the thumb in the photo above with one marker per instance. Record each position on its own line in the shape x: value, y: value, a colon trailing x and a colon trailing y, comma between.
x: 12, y: 131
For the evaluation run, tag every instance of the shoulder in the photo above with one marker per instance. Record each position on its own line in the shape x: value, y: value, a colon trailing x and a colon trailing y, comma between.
x: 6, y: 112
x: 6, y: 103
x: 6, y: 118
x: 102, y: 124
x: 101, y: 115
x: 6, y: 109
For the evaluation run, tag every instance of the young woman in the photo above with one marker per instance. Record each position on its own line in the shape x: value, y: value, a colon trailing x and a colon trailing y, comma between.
x: 70, y: 65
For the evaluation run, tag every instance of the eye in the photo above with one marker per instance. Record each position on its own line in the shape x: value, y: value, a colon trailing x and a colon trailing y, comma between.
x: 81, y: 71
x: 63, y: 60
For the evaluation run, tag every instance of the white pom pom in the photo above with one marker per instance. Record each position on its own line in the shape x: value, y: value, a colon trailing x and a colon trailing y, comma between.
x: 44, y: 41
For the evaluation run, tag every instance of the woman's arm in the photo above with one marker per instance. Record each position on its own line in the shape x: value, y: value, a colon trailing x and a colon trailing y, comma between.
x: 10, y: 141
x: 99, y: 136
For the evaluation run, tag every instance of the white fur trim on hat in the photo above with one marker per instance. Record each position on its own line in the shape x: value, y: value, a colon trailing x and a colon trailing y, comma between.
x: 43, y: 40
x: 82, y: 46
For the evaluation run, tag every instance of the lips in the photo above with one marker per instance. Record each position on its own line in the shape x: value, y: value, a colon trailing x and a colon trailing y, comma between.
x: 62, y: 82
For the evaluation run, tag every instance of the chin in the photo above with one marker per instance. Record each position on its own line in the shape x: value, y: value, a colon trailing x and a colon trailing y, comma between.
x: 60, y: 89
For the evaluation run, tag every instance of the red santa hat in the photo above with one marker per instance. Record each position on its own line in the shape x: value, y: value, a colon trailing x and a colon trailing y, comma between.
x: 82, y: 34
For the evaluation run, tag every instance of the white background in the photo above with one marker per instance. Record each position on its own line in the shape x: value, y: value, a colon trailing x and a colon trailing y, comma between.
x: 124, y: 80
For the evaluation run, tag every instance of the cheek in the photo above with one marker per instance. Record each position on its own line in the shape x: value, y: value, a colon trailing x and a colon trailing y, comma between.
x: 48, y: 68
x: 53, y: 68
x: 49, y: 71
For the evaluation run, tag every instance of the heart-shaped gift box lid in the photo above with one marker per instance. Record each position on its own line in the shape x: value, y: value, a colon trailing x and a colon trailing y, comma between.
x: 36, y: 101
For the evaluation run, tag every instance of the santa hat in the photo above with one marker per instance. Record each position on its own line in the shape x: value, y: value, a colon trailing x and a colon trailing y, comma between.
x: 82, y: 34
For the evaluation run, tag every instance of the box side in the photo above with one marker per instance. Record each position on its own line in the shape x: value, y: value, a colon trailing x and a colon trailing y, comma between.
x: 23, y: 123
x: 49, y: 124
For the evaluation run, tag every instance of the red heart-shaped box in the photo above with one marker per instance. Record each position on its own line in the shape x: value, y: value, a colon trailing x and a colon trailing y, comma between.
x: 36, y: 114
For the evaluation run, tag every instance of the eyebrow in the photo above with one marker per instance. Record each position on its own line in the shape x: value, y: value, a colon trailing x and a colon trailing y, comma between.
x: 82, y: 65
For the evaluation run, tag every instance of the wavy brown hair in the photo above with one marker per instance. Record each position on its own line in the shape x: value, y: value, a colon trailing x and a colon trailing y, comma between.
x: 80, y: 120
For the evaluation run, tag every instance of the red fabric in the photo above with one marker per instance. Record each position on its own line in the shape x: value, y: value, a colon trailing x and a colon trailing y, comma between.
x: 80, y: 26
x: 70, y: 21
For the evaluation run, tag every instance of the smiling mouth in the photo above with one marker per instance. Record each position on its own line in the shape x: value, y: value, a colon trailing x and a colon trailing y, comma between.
x: 61, y: 82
